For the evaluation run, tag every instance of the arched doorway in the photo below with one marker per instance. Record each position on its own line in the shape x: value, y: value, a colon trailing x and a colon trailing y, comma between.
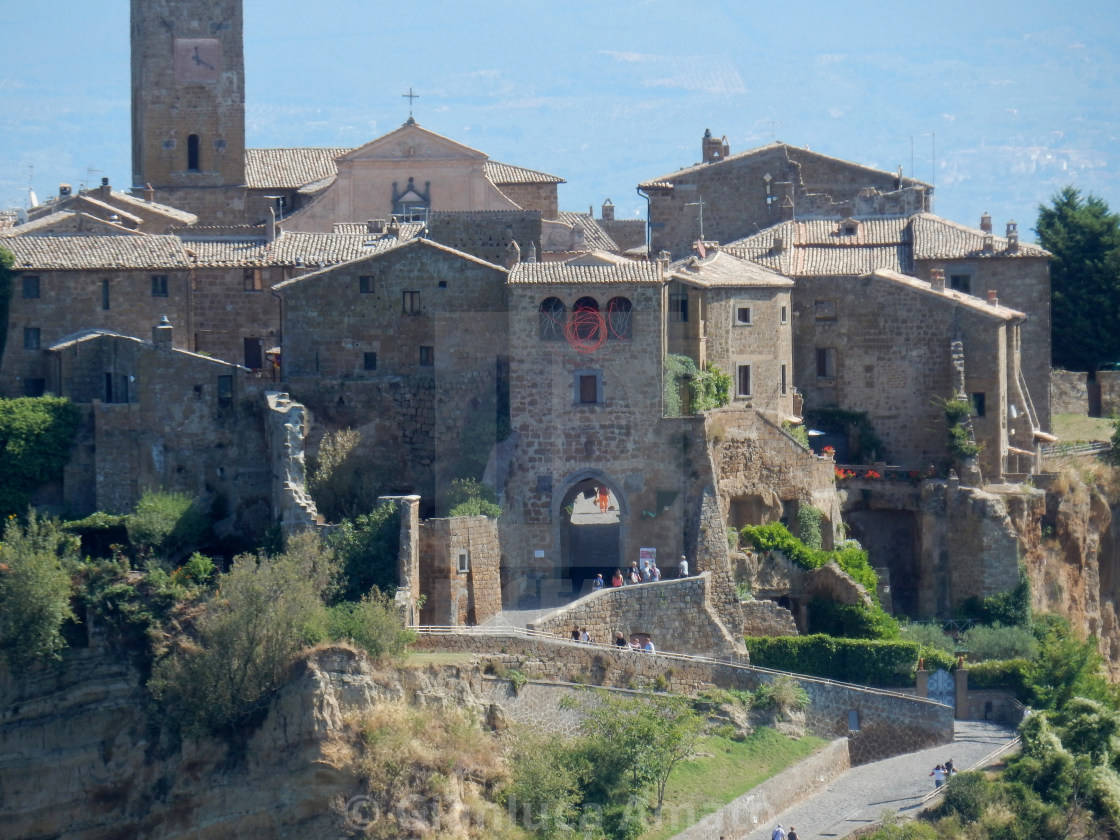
x: 591, y: 519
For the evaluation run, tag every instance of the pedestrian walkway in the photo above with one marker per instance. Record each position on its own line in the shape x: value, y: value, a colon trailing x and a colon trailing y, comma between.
x: 901, y: 785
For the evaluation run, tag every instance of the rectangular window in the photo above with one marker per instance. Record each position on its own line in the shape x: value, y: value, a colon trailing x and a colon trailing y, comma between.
x: 107, y: 396
x: 825, y: 310
x: 31, y: 338
x: 742, y: 315
x: 427, y: 356
x: 961, y: 283
x: 366, y: 285
x: 225, y: 391
x: 464, y: 561
x: 588, y: 388
x: 369, y: 361
x: 411, y: 303
x: 254, y: 279
x: 159, y: 285
x: 978, y: 406
x: 678, y: 307
x: 826, y: 363
x: 104, y: 294
x: 785, y: 315
x: 33, y: 387
x: 784, y: 385
x: 31, y: 285
x: 743, y: 381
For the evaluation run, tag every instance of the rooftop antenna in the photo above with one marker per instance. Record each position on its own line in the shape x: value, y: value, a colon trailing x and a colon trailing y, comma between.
x: 410, y: 96
x: 774, y: 129
x: 699, y: 204
x: 279, y: 199
x: 32, y: 199
x: 932, y: 166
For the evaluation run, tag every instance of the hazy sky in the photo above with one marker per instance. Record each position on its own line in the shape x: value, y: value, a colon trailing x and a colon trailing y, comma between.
x: 1000, y: 104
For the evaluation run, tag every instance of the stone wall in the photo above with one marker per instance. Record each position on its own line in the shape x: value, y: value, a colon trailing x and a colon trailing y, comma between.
x: 233, y: 306
x: 1109, y: 383
x: 286, y: 426
x: 677, y: 615
x: 541, y: 197
x: 487, y: 234
x: 767, y: 618
x: 1069, y: 392
x: 459, y: 570
x: 889, y: 723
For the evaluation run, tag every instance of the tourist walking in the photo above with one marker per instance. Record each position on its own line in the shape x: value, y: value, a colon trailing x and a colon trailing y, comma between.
x: 616, y: 579
x: 682, y: 572
x: 597, y: 584
x: 777, y: 833
x: 620, y: 641
x: 791, y: 834
x: 938, y: 774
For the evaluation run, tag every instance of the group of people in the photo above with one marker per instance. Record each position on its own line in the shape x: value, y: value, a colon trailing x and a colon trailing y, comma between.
x: 580, y: 634
x: 648, y: 573
x: 942, y: 772
x: 780, y: 833
x: 622, y: 643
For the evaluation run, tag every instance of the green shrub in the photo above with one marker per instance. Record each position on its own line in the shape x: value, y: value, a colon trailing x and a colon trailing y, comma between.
x: 850, y: 556
x: 809, y: 521
x: 851, y: 621
x: 998, y: 642
x: 864, y: 661
x: 165, y: 526
x: 928, y: 635
x: 678, y: 369
x: 35, y: 561
x: 1008, y: 673
x: 1011, y: 608
x: 265, y: 610
x: 372, y: 624
x: 961, y: 443
x: 36, y: 434
x: 367, y: 548
x: 709, y: 388
x: 798, y: 432
x: 783, y: 693
x: 468, y: 497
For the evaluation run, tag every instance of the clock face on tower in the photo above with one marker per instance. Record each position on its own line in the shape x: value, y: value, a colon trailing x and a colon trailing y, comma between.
x: 197, y: 60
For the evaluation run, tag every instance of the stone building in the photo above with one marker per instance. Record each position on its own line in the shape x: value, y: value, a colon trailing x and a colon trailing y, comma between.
x: 409, y: 346
x: 103, y: 210
x: 159, y: 417
x: 728, y: 196
x: 828, y: 258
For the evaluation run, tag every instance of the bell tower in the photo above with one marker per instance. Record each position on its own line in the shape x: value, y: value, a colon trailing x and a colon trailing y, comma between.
x: 188, y: 105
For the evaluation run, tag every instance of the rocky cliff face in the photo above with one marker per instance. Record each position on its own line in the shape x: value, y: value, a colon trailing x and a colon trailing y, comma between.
x: 1072, y: 556
x: 80, y: 759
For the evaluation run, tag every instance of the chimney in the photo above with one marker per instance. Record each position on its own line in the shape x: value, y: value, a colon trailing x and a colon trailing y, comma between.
x: 513, y: 254
x: 663, y: 258
x: 270, y: 235
x: 713, y: 150
x: 608, y: 211
x: 986, y: 223
x: 993, y: 300
x: 531, y: 253
x: 779, y: 245
x: 1012, y: 237
x: 63, y: 190
x: 162, y: 334
x: 937, y: 279
x: 105, y: 190
x: 375, y: 226
x: 989, y: 243
x: 149, y: 194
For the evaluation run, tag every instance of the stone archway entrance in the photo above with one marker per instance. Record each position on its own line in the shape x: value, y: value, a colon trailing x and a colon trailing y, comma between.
x: 590, y: 534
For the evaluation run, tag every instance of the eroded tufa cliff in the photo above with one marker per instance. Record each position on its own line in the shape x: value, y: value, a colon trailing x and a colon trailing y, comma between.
x: 79, y: 758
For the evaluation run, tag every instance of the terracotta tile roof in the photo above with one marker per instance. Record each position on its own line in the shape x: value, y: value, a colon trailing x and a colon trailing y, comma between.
x: 8, y: 219
x: 141, y: 206
x: 289, y: 168
x: 586, y: 275
x: 411, y: 243
x: 44, y: 225
x: 594, y: 237
x: 938, y: 238
x: 668, y: 181
x: 505, y: 173
x: 295, y: 248
x: 69, y: 253
x: 721, y: 269
x: 819, y: 247
x: 951, y: 296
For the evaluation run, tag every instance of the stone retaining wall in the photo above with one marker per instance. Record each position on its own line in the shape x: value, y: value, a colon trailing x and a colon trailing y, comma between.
x: 1069, y: 392
x: 676, y: 614
x: 886, y: 723
x: 765, y: 801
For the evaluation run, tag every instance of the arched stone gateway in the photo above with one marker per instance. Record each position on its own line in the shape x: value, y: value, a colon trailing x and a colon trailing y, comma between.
x: 591, y: 520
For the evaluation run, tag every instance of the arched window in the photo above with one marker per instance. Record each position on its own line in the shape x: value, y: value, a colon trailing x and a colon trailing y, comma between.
x: 619, y: 314
x: 192, y: 153
x: 587, y: 323
x: 551, y: 315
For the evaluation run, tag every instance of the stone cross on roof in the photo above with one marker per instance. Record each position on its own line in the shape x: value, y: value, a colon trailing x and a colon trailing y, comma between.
x: 410, y: 96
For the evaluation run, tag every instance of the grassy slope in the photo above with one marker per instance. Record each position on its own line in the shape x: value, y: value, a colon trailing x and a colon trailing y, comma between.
x: 1077, y: 428
x: 723, y: 770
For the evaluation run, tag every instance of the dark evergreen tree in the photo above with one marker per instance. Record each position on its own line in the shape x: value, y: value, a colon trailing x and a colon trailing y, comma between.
x: 1084, y: 237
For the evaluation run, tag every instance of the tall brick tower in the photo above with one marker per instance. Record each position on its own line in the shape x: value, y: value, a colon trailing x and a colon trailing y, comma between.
x: 188, y: 105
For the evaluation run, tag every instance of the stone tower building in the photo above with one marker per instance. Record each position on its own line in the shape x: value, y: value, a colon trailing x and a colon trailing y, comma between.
x: 188, y: 105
